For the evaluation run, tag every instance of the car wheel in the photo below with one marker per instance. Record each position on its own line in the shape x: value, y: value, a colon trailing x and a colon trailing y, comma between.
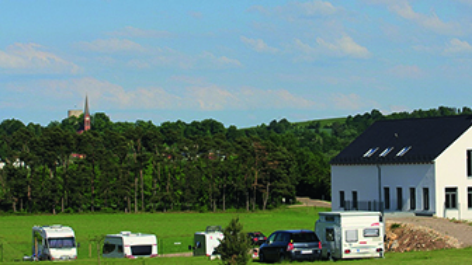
x: 261, y: 257
x: 281, y: 257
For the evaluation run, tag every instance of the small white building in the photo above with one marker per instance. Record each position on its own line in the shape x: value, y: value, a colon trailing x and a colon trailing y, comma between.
x: 421, y: 166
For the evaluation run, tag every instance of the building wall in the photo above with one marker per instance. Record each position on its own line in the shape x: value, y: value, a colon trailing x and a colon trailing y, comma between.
x: 451, y: 168
x: 364, y: 180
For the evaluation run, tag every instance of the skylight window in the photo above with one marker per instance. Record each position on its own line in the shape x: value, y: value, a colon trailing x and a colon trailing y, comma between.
x: 404, y: 150
x: 386, y: 151
x: 370, y: 152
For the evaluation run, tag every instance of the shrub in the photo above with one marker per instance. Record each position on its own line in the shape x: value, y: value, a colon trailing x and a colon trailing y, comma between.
x: 235, y: 246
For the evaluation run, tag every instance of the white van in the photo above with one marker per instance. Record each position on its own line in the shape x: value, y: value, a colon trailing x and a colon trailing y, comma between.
x: 205, y: 243
x: 55, y: 242
x: 351, y: 235
x: 129, y: 245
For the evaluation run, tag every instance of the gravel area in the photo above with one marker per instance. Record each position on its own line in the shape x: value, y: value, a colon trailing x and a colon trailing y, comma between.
x: 460, y: 231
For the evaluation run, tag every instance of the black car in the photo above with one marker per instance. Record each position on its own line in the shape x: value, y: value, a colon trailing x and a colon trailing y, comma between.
x: 291, y: 245
x: 256, y: 238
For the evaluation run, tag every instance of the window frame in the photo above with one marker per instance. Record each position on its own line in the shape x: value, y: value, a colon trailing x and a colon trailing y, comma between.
x: 451, y: 196
x: 387, y: 198
x: 412, y: 198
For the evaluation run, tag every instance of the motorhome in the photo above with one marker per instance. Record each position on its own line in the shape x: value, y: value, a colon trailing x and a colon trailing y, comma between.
x: 205, y: 243
x: 130, y: 245
x: 55, y: 242
x: 351, y: 235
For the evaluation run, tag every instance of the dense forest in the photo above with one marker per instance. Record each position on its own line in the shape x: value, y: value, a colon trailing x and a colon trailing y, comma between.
x: 177, y: 166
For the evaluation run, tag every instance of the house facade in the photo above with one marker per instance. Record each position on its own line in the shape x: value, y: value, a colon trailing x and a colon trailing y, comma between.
x: 421, y: 166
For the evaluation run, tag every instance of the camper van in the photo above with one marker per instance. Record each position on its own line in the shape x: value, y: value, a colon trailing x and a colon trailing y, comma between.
x: 55, y: 242
x: 206, y: 242
x: 129, y: 245
x: 351, y: 235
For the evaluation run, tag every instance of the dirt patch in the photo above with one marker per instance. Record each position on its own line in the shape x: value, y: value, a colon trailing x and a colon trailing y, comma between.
x: 449, y: 230
x: 305, y: 201
x: 183, y: 254
x: 404, y: 237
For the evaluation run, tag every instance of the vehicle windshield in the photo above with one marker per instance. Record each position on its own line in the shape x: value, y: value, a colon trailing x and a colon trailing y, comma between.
x: 304, y: 237
x: 61, y: 242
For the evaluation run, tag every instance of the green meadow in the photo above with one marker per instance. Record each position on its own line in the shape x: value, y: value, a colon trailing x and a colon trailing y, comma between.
x: 175, y: 232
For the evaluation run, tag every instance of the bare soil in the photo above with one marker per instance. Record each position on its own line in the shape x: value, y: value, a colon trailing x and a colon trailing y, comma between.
x: 426, y: 233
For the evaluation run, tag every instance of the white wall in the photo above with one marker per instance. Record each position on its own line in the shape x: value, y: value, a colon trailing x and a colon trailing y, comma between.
x: 451, y: 169
x: 364, y: 180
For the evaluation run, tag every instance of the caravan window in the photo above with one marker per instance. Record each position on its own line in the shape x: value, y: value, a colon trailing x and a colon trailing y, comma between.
x: 329, y: 234
x: 143, y: 250
x: 108, y: 248
x: 61, y: 242
x: 351, y: 235
x: 371, y: 232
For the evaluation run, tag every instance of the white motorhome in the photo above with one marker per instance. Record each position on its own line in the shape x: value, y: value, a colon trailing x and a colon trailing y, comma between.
x: 55, y: 242
x: 130, y: 245
x: 206, y: 242
x: 351, y: 235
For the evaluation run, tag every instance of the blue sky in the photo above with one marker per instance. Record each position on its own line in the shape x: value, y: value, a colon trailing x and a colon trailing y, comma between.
x: 240, y: 62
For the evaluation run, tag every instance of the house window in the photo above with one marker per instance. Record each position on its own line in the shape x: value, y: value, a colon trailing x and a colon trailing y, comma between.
x: 469, y: 197
x: 354, y: 199
x: 425, y: 199
x: 469, y: 163
x: 387, y: 197
x: 412, y: 199
x: 451, y: 198
x: 341, y: 199
x: 399, y: 199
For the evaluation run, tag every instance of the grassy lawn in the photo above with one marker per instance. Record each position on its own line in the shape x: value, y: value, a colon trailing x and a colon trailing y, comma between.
x: 175, y: 232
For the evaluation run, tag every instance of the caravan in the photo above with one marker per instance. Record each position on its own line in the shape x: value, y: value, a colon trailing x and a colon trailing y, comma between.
x: 205, y: 243
x: 54, y: 242
x: 351, y: 235
x: 130, y: 245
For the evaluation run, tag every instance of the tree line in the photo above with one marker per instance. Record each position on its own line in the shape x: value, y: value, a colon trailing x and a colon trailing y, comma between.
x: 199, y: 166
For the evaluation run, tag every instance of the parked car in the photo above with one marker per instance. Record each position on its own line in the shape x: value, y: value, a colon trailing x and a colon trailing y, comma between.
x: 256, y: 238
x: 290, y: 245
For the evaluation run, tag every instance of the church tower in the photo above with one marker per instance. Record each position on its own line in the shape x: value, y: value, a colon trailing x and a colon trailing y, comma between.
x: 87, y: 125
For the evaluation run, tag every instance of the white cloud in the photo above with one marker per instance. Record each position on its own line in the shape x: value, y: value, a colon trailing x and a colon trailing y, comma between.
x: 407, y: 71
x: 133, y: 32
x: 198, y: 96
x: 315, y: 7
x: 111, y: 46
x: 350, y: 102
x: 457, y: 46
x: 213, y: 61
x: 301, y: 10
x: 343, y: 47
x: 31, y: 58
x: 258, y: 45
x: 428, y: 21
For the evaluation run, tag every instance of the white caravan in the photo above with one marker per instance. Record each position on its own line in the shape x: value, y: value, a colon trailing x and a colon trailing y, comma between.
x: 55, y: 242
x: 130, y: 245
x: 351, y: 235
x: 206, y: 242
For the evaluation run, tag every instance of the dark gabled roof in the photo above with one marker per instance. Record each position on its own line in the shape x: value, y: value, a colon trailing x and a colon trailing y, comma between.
x: 423, y: 140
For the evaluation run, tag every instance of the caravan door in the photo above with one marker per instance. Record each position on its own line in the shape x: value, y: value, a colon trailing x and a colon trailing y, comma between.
x: 332, y: 242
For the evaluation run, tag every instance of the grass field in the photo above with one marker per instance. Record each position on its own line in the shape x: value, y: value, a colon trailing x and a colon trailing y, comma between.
x: 15, y: 234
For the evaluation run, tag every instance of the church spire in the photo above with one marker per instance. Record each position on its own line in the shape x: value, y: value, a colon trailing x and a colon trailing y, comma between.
x: 87, y: 125
x: 86, y: 106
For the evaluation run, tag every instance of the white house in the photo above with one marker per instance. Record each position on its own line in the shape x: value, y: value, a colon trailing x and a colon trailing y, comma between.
x: 422, y: 166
